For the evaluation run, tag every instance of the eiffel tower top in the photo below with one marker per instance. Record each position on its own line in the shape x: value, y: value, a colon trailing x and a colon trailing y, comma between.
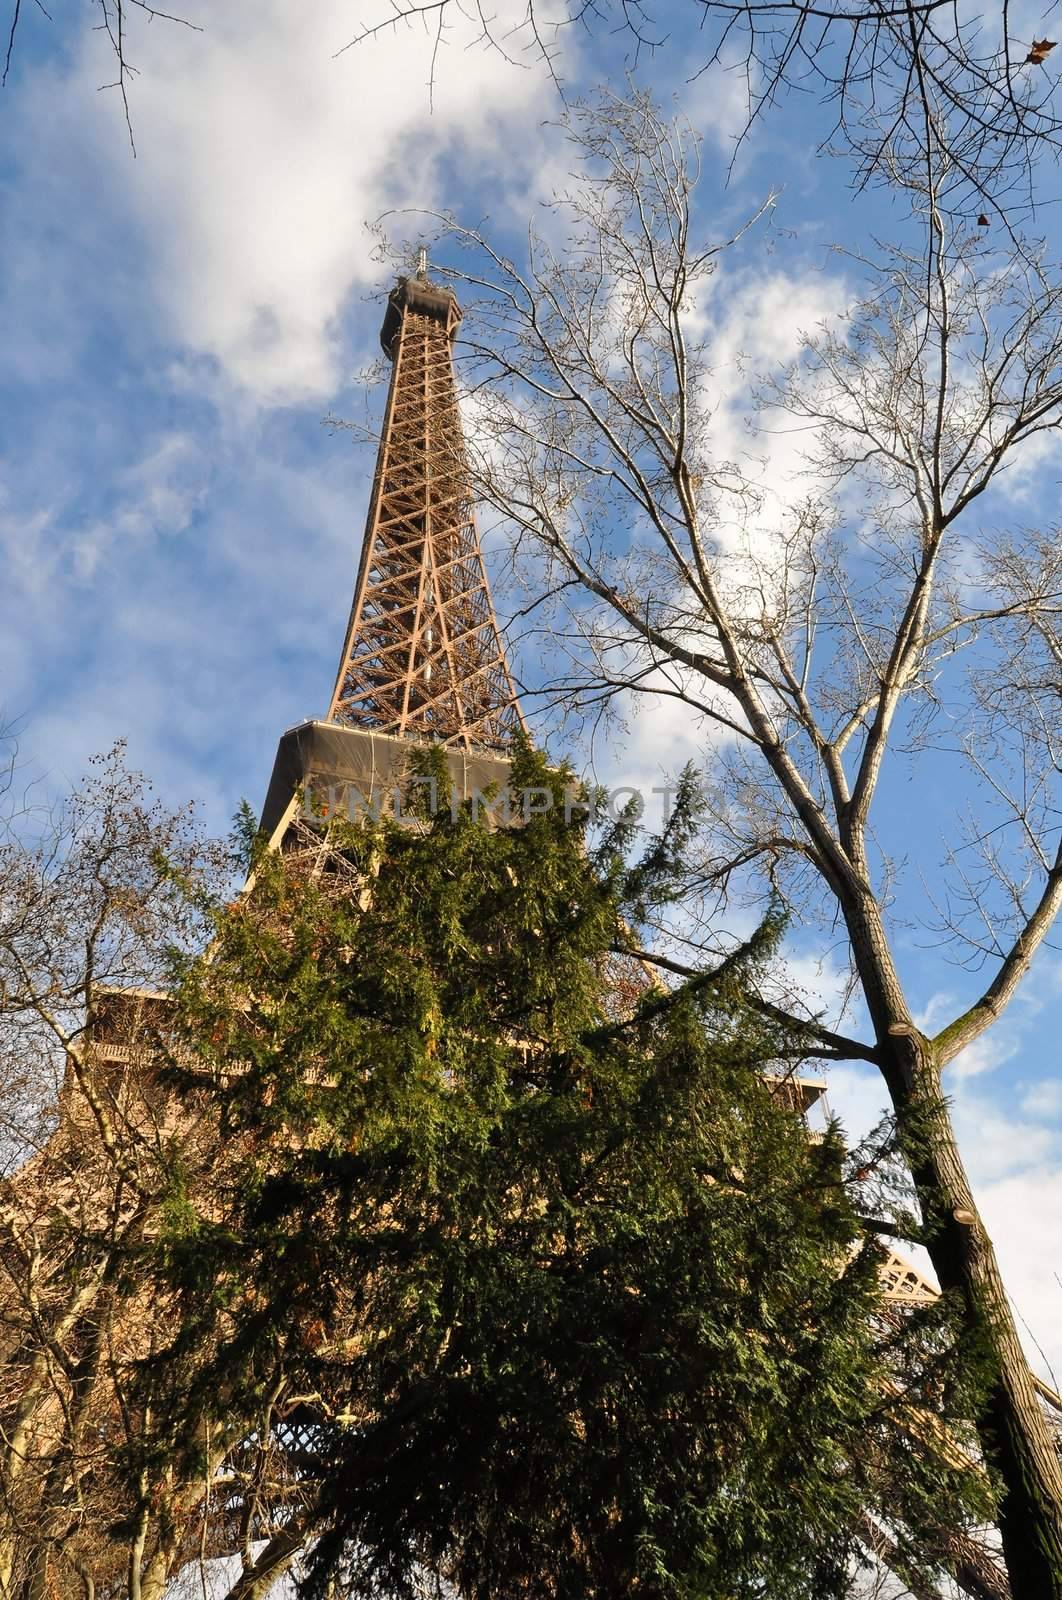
x: 423, y: 655
x: 420, y: 295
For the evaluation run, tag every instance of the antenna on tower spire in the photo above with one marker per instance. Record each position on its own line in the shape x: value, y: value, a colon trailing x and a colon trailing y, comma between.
x: 422, y: 262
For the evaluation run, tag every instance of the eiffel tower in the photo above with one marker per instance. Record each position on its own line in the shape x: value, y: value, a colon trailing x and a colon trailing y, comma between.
x: 422, y: 657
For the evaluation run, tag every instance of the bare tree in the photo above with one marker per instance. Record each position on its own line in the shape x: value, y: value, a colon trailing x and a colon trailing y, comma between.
x: 113, y: 19
x: 818, y: 645
x: 103, y: 1489
x: 874, y: 65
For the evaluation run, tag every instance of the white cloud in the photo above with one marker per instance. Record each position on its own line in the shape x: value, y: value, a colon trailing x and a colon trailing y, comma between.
x: 995, y: 1143
x: 858, y: 1096
x: 1021, y: 1213
x: 259, y: 158
x: 987, y: 1053
x: 177, y: 556
x: 1030, y: 466
x: 938, y: 1009
x: 819, y: 979
x: 158, y: 495
x: 1009, y: 1036
x: 664, y: 734
x: 47, y: 546
x: 1043, y: 1100
x: 717, y: 105
x: 757, y: 320
x: 763, y: 329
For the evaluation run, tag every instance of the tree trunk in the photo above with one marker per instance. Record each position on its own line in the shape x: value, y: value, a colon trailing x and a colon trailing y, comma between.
x: 1011, y: 1427
x: 885, y: 1549
x: 273, y: 1562
x: 972, y: 1567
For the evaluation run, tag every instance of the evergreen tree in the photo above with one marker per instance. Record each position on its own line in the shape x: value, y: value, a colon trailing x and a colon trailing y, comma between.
x: 573, y: 1305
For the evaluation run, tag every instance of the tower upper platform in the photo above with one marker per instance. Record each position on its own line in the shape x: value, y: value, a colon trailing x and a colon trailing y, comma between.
x: 424, y: 298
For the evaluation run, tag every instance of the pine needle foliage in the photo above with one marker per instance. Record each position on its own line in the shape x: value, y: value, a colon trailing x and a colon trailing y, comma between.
x: 574, y: 1306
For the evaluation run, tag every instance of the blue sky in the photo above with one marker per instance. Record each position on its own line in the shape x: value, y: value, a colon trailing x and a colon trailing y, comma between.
x: 178, y: 532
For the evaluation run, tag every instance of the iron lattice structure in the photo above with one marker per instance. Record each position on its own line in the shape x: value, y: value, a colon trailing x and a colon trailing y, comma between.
x: 423, y: 655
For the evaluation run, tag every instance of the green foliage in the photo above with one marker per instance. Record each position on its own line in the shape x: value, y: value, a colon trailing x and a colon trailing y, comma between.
x: 244, y: 840
x: 580, y: 1308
